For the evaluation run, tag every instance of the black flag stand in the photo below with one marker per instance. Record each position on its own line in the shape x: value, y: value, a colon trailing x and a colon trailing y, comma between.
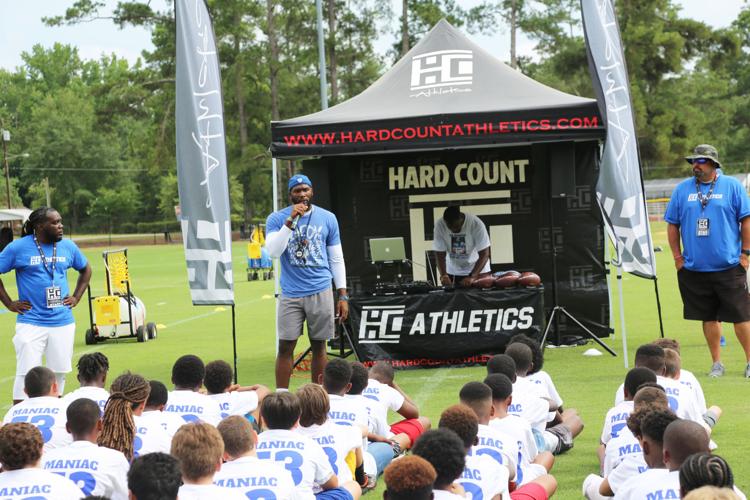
x: 658, y: 306
x: 234, y: 344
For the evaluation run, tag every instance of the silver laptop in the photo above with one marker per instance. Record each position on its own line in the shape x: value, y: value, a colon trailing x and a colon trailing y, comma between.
x: 387, y: 249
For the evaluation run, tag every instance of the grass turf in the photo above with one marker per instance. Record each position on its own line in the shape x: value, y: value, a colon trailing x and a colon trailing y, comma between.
x: 586, y: 383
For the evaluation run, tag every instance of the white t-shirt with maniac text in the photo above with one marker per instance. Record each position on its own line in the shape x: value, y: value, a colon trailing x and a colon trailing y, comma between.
x: 377, y: 415
x: 47, y: 413
x: 208, y: 492
x: 616, y: 420
x: 462, y: 248
x: 37, y: 483
x: 300, y: 455
x: 619, y: 448
x: 236, y: 402
x: 95, y: 469
x: 256, y: 478
x: 526, y: 451
x: 346, y: 411
x: 530, y: 407
x: 384, y: 394
x: 193, y: 406
x: 95, y: 394
x: 483, y: 478
x: 154, y: 430
x: 681, y: 399
x: 653, y: 483
x: 631, y: 466
x: 337, y: 441
x: 496, y: 444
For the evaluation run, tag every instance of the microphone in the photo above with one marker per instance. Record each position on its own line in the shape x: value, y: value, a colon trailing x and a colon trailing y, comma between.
x: 295, y: 221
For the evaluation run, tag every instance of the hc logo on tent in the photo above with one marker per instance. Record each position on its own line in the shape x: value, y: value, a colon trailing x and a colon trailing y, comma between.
x: 442, y: 68
x: 381, y: 324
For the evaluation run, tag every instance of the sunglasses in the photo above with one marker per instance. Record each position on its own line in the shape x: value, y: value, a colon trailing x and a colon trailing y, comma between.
x: 700, y: 161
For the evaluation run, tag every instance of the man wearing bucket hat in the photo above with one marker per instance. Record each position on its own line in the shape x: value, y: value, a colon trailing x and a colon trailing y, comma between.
x: 710, y: 214
x: 306, y: 239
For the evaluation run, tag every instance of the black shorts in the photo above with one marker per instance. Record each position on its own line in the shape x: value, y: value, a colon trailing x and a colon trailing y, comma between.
x: 715, y: 296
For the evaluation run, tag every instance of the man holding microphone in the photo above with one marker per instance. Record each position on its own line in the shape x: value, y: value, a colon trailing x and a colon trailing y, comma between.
x: 306, y: 239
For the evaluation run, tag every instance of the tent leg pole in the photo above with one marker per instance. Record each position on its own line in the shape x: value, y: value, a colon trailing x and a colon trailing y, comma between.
x: 275, y: 174
x: 622, y: 318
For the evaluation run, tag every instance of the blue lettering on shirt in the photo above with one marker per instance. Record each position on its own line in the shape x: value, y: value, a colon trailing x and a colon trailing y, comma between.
x: 32, y: 278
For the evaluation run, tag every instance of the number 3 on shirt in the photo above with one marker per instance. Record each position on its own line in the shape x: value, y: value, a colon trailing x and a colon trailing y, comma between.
x: 291, y: 459
x: 43, y: 422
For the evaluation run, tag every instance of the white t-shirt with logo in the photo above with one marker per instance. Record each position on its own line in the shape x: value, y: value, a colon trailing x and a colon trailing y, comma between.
x: 37, y: 483
x: 386, y: 395
x: 631, y: 466
x: 619, y: 448
x: 653, y: 483
x: 483, y: 478
x: 462, y: 248
x: 154, y: 430
x: 95, y: 394
x: 208, y: 492
x: 95, y: 469
x: 616, y: 420
x: 543, y: 379
x: 193, y: 406
x: 300, y: 455
x: 337, y: 441
x: 236, y: 402
x: 255, y: 478
x: 47, y: 413
x: 496, y: 444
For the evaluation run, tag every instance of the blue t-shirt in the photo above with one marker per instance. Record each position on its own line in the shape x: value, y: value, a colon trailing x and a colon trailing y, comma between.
x: 728, y: 205
x: 305, y: 269
x: 33, y: 279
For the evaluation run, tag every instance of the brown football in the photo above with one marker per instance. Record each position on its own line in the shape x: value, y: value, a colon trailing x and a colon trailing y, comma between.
x: 483, y: 282
x: 507, y: 280
x: 529, y: 279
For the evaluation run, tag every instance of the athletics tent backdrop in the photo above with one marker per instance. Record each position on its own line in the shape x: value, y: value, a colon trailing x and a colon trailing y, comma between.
x: 449, y: 123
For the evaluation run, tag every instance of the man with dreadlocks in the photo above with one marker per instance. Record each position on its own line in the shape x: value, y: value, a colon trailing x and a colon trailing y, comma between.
x: 92, y: 375
x: 129, y: 393
x: 45, y: 325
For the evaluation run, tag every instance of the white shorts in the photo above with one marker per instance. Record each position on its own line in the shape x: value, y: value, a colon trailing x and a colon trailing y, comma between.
x: 53, y: 342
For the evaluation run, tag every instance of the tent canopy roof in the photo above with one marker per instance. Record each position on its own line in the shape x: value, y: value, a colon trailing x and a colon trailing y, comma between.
x: 444, y: 79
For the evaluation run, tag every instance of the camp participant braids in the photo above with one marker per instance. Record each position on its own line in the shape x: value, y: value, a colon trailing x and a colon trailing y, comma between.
x: 128, y: 392
x: 44, y: 324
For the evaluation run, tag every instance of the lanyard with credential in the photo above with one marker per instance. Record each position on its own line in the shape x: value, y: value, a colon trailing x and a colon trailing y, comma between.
x: 50, y: 270
x: 705, y: 199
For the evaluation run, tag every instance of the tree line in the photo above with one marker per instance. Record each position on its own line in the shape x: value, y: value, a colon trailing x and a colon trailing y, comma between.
x: 99, y: 134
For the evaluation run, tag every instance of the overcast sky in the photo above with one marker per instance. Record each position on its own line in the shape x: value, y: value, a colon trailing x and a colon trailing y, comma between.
x: 21, y: 27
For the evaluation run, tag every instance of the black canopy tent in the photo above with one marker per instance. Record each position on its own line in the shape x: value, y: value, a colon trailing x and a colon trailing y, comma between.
x: 447, y: 92
x: 450, y: 123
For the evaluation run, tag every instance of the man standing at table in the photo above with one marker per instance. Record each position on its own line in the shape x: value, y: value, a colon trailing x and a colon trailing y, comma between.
x: 462, y: 246
x: 306, y: 239
x: 709, y: 212
x: 45, y: 324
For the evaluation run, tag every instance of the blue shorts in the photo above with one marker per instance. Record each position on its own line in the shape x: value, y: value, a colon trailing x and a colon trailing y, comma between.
x: 334, y: 494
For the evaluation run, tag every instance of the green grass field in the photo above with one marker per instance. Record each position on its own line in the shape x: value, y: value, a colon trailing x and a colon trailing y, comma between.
x: 586, y: 383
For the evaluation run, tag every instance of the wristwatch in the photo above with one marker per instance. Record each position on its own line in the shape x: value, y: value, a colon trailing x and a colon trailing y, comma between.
x: 345, y: 298
x: 746, y: 251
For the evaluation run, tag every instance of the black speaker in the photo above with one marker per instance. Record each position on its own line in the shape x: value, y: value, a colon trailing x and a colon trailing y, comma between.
x: 562, y: 164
